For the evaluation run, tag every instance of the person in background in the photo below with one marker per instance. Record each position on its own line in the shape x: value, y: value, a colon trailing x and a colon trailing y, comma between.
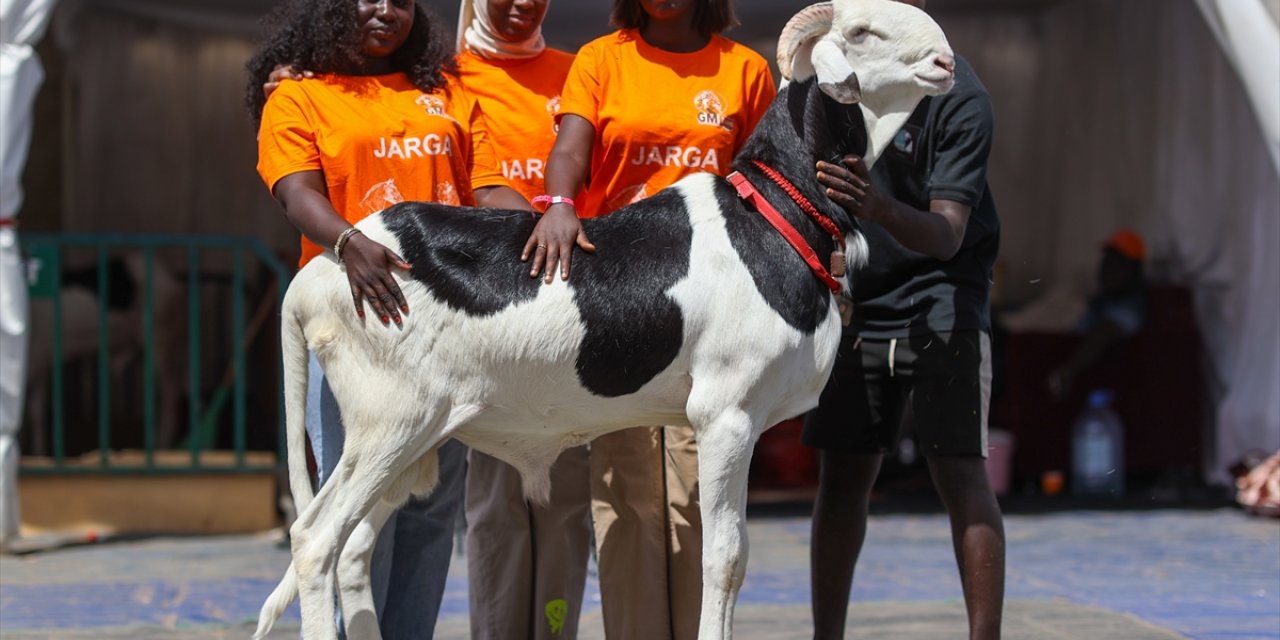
x: 526, y: 563
x: 665, y: 80
x: 1115, y: 313
x: 380, y: 120
x: 919, y: 344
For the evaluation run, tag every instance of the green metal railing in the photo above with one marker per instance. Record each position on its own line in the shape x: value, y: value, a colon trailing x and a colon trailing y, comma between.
x: 202, y: 416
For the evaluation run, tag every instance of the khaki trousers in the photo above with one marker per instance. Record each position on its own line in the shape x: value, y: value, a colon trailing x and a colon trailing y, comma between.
x: 644, y: 500
x: 527, y: 563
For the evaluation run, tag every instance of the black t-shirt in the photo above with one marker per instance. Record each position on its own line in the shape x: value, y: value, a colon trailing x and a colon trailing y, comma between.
x: 940, y: 154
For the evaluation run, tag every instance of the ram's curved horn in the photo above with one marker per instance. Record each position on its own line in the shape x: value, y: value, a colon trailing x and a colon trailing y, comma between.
x: 810, y: 23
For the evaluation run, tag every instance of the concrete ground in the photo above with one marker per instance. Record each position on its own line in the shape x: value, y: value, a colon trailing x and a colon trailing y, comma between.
x: 1169, y: 573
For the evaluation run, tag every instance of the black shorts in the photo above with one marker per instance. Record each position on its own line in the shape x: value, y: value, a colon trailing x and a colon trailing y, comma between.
x: 941, y: 383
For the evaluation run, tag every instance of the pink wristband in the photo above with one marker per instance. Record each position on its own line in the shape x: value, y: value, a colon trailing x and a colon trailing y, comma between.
x: 546, y: 201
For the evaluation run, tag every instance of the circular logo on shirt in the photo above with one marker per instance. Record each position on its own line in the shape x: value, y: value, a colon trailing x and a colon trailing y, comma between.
x: 710, y: 108
x: 904, y: 141
x: 432, y: 105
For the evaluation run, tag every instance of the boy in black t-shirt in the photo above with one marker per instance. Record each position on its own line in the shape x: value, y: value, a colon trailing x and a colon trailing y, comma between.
x: 919, y: 344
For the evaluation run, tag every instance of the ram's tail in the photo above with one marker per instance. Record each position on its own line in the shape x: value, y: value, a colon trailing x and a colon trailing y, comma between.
x: 293, y: 348
x: 277, y: 602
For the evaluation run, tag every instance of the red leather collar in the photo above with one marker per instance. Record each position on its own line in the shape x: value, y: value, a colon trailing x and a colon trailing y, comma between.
x: 748, y: 192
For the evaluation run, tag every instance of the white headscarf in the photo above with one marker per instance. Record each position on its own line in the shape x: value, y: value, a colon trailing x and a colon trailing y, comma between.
x: 477, y: 34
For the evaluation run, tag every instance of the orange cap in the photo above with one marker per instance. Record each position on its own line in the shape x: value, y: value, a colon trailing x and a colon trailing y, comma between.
x: 1128, y: 244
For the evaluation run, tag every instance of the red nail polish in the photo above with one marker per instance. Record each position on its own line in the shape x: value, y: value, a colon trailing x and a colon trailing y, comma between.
x: 384, y: 319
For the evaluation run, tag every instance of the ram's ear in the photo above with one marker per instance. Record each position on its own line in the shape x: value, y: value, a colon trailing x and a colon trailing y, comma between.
x: 795, y: 45
x: 835, y: 77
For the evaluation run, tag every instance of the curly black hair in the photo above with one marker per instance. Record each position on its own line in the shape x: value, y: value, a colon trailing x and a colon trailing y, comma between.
x: 322, y: 36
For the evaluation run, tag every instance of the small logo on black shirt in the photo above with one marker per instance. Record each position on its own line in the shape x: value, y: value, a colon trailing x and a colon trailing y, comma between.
x: 905, y: 141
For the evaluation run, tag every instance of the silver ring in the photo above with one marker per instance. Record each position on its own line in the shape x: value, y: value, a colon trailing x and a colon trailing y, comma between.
x: 542, y: 246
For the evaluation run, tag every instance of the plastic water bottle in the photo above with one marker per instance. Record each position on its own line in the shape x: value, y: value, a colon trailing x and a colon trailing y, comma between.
x: 1097, y: 449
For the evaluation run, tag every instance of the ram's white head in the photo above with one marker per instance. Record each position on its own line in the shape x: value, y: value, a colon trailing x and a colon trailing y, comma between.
x: 867, y: 51
x: 884, y: 55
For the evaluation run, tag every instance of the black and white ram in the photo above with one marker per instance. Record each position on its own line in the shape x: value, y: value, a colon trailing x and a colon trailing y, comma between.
x: 694, y: 310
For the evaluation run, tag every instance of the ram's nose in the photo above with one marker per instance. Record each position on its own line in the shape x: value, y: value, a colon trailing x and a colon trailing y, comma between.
x: 946, y: 62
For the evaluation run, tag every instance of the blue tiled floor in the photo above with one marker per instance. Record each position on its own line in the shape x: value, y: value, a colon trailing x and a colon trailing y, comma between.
x: 1200, y: 574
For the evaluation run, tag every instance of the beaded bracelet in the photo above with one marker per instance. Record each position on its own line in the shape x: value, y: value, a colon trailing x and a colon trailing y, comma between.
x: 546, y: 201
x: 341, y: 242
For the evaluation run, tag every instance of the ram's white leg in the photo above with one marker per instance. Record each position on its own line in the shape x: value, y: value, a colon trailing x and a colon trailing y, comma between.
x: 312, y: 568
x: 358, y: 609
x: 724, y: 453
x: 368, y: 467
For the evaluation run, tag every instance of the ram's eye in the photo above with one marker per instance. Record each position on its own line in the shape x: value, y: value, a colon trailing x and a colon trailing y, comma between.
x: 858, y: 34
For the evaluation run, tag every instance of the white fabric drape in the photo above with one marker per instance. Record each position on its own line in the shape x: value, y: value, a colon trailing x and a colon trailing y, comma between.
x: 1250, y: 37
x: 22, y: 22
x: 1249, y: 415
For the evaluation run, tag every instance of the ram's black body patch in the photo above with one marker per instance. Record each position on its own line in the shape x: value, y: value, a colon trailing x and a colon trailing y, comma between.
x: 634, y: 329
x: 470, y: 260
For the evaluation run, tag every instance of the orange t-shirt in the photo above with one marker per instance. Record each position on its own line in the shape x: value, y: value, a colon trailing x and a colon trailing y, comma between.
x: 379, y: 140
x: 520, y: 99
x: 660, y: 116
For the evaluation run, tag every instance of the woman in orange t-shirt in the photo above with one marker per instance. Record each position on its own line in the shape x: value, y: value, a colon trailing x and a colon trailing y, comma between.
x: 526, y: 562
x: 378, y: 120
x: 662, y: 98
